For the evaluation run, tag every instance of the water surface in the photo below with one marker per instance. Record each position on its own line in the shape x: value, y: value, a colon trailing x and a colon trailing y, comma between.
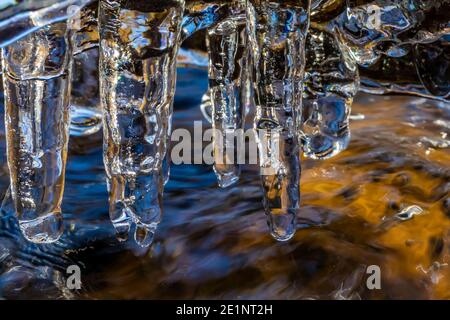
x: 215, y: 243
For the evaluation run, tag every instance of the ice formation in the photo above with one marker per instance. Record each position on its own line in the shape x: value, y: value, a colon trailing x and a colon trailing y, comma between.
x: 294, y: 65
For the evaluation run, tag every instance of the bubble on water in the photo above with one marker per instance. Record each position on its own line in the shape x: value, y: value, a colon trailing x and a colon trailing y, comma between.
x: 409, y: 213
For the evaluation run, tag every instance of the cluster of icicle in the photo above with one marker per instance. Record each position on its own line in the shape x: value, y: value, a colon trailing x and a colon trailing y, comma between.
x: 296, y: 63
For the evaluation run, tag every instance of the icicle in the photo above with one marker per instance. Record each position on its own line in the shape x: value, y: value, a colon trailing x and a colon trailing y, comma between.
x: 138, y: 48
x: 37, y: 89
x: 277, y: 32
x: 226, y: 47
x: 331, y: 82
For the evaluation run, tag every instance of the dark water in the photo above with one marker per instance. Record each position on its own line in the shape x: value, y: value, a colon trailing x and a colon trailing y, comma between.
x: 215, y: 243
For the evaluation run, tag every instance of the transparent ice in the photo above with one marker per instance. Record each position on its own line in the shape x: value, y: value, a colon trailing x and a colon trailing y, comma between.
x: 331, y: 81
x: 277, y: 38
x: 293, y: 66
x: 138, y: 48
x: 227, y: 57
x: 36, y: 80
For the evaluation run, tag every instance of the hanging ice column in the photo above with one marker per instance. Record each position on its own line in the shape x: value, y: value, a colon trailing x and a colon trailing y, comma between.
x: 331, y: 82
x: 138, y: 48
x: 277, y: 32
x: 226, y: 48
x: 37, y: 88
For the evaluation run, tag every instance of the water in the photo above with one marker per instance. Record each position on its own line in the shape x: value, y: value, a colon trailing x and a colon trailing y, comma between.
x: 206, y: 250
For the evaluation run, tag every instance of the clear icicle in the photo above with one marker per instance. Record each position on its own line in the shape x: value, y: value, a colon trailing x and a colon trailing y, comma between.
x: 277, y: 32
x: 226, y: 47
x: 331, y: 82
x: 138, y: 48
x: 36, y: 81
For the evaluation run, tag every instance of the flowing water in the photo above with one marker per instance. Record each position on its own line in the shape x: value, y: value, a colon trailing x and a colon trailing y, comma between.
x: 384, y: 201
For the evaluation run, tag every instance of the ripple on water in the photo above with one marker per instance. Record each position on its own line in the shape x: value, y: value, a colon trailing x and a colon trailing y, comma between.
x: 215, y: 244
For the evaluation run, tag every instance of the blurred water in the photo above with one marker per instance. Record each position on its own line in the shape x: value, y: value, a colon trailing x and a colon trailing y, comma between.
x: 215, y: 243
